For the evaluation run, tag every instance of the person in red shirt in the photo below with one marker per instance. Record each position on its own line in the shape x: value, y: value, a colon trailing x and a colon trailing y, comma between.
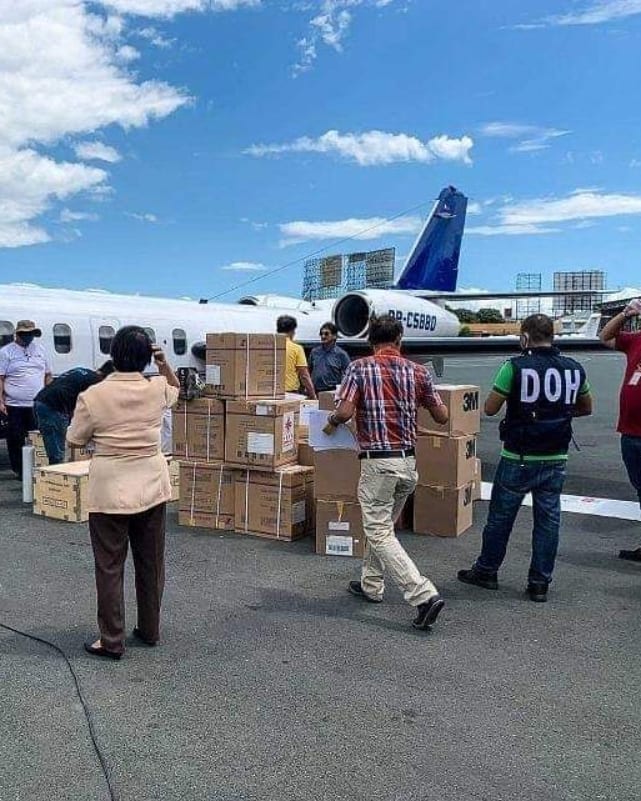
x: 629, y: 426
x: 383, y: 393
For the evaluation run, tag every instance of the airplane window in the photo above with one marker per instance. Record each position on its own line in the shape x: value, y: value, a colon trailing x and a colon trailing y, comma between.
x: 180, y: 341
x: 6, y: 332
x: 105, y: 335
x: 151, y: 334
x: 62, y: 338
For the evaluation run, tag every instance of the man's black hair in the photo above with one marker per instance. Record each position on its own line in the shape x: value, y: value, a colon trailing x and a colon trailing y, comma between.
x: 539, y: 328
x: 329, y: 327
x: 286, y: 324
x: 131, y: 349
x: 107, y: 368
x: 384, y: 330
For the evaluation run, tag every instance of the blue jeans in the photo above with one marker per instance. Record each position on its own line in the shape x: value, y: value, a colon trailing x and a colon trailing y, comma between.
x: 512, y: 482
x: 53, y: 427
x: 631, y: 453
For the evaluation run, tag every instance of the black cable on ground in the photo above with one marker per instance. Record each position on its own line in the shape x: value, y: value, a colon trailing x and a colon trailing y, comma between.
x: 85, y: 708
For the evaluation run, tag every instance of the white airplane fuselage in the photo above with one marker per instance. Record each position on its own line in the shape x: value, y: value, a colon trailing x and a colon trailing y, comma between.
x: 77, y: 325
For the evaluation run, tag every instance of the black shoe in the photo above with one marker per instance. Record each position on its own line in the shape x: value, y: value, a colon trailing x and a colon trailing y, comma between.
x: 356, y: 589
x: 100, y: 651
x: 474, y: 576
x: 141, y: 637
x: 631, y: 556
x: 538, y: 592
x: 428, y: 612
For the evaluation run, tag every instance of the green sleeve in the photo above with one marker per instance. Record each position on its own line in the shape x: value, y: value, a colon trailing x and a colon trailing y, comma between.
x: 585, y: 388
x: 504, y: 379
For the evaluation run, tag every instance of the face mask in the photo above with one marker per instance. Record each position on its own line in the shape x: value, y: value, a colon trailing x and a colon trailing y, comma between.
x: 26, y: 339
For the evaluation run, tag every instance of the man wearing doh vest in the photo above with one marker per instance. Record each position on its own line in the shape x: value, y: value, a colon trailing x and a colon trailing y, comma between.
x: 543, y: 390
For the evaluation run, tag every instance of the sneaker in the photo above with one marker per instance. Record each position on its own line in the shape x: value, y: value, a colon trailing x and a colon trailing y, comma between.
x: 473, y: 576
x: 356, y: 589
x: 538, y: 592
x: 631, y: 556
x: 428, y: 612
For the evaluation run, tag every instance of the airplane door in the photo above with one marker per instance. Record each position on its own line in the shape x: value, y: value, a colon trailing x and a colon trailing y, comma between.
x: 103, y: 330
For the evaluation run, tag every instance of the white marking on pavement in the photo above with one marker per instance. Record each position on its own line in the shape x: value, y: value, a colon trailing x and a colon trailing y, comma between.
x: 584, y: 505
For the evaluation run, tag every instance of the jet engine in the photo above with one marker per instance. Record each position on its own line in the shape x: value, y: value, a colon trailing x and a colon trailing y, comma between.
x: 420, y: 318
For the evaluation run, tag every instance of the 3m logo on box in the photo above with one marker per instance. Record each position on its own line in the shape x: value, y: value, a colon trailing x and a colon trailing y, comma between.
x: 470, y: 401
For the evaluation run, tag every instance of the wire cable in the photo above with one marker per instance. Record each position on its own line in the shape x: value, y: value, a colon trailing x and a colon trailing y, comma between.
x: 324, y: 249
x: 92, y: 734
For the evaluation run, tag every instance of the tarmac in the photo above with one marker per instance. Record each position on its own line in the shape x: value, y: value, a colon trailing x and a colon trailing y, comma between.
x: 272, y: 682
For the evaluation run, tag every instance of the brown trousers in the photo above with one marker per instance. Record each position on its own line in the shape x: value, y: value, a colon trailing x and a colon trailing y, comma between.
x: 110, y: 536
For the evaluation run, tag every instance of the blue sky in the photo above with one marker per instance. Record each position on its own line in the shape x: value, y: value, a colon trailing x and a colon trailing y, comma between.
x: 183, y: 147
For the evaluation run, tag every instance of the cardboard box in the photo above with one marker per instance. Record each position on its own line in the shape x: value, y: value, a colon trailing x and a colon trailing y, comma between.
x: 476, y: 490
x: 446, y: 461
x: 261, y: 434
x: 246, y: 365
x: 278, y: 505
x: 327, y: 400
x: 442, y: 511
x: 79, y: 454
x: 206, y: 495
x: 337, y: 474
x: 60, y: 491
x: 306, y: 455
x: 198, y: 430
x: 339, y: 528
x: 40, y: 458
x: 463, y: 405
x: 174, y: 478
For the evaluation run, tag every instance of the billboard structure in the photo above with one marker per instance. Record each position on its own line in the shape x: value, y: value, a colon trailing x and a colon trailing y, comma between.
x: 332, y: 276
x: 592, y: 281
x: 528, y: 282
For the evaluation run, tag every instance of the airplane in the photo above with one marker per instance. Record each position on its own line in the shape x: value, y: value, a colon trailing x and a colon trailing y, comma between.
x: 78, y: 326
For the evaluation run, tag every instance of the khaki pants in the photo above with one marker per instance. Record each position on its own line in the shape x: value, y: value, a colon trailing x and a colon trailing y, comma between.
x: 384, y: 486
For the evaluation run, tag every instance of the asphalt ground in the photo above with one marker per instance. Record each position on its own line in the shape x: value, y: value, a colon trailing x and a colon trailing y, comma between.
x: 273, y: 683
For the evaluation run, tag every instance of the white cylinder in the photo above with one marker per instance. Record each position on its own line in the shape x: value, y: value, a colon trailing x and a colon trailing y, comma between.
x: 28, y: 458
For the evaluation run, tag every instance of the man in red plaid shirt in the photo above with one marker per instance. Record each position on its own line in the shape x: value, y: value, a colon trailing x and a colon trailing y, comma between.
x: 383, y: 392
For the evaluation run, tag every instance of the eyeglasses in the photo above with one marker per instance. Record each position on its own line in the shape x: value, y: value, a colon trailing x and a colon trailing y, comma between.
x: 325, y: 334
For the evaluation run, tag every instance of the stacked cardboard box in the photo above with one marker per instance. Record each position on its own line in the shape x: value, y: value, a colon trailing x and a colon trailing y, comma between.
x: 339, y: 525
x: 40, y: 459
x: 249, y: 479
x: 447, y: 464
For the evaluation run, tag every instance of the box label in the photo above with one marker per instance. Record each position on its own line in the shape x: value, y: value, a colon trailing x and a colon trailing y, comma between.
x: 339, y: 546
x: 336, y: 525
x: 212, y: 374
x: 262, y: 411
x: 289, y: 432
x: 260, y: 443
x: 299, y: 512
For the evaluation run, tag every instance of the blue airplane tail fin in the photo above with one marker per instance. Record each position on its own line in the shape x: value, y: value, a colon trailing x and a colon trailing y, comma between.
x: 433, y: 262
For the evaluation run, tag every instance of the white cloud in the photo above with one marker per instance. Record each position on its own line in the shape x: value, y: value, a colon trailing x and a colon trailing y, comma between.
x: 375, y: 147
x: 155, y: 37
x: 97, y: 151
x: 354, y: 228
x: 635, y: 163
x: 244, y: 266
x: 67, y: 216
x: 598, y: 13
x: 146, y: 217
x: 330, y: 27
x: 533, y: 137
x: 544, y: 215
x: 508, y: 230
x: 28, y: 183
x: 474, y: 208
x: 169, y: 8
x: 578, y: 206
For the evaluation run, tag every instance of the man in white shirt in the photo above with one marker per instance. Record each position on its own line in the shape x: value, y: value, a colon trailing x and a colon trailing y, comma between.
x: 24, y: 370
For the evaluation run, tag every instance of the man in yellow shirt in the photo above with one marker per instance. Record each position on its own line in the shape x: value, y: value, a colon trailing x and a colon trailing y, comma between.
x: 296, y: 371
